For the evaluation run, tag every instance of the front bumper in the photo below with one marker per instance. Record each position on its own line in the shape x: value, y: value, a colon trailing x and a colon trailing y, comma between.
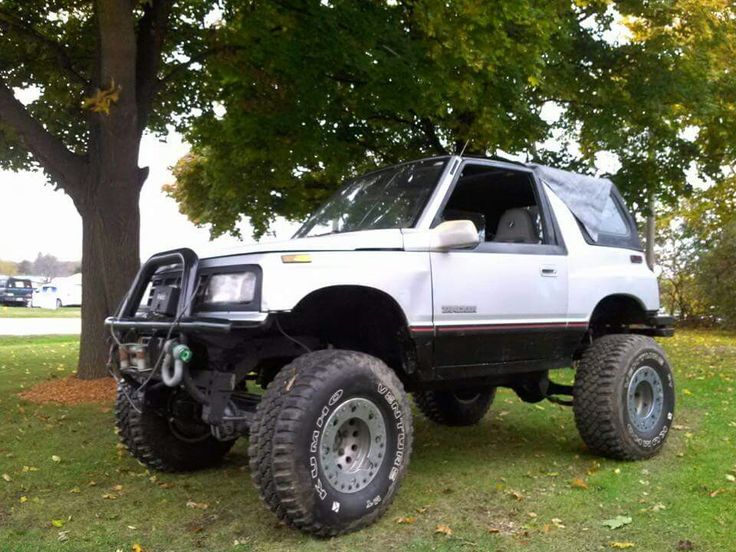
x: 189, y: 324
x: 15, y: 300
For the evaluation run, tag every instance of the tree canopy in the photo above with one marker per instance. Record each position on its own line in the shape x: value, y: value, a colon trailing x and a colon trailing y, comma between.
x: 311, y: 93
x: 93, y: 76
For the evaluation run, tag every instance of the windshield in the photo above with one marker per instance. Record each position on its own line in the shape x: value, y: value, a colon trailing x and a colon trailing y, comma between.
x: 389, y: 198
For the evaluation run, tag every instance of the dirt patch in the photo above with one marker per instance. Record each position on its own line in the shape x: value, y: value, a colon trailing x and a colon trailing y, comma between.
x: 71, y: 391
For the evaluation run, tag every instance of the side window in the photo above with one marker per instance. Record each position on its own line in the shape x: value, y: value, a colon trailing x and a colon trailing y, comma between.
x: 502, y: 203
x: 612, y: 221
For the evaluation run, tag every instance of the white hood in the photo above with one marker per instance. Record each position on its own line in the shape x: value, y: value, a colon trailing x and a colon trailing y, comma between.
x: 348, y: 241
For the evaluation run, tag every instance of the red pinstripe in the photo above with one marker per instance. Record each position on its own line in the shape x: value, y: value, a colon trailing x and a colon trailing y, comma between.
x: 497, y: 327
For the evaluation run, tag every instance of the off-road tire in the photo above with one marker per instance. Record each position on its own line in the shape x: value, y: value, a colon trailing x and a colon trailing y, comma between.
x: 455, y: 408
x: 148, y: 436
x: 286, y: 447
x: 600, y: 397
x: 260, y: 450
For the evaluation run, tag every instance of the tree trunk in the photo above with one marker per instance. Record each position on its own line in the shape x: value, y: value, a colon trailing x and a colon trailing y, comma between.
x: 109, y: 202
x: 110, y: 260
x: 651, y: 234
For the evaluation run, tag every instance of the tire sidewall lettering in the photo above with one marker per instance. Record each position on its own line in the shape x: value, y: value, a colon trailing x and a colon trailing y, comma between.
x: 329, y: 503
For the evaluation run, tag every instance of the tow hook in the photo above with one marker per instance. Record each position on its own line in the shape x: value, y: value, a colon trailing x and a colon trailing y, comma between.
x: 172, y: 369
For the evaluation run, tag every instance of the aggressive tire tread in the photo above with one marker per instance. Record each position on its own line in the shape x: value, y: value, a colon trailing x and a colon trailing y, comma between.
x: 595, y: 397
x: 151, y: 443
x: 260, y: 449
x: 441, y: 407
x: 279, y: 421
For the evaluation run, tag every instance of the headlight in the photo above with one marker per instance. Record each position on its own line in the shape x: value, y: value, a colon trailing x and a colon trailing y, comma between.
x: 231, y: 288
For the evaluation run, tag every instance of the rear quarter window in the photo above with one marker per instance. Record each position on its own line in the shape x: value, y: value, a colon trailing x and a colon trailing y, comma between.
x: 613, y: 221
x: 617, y: 227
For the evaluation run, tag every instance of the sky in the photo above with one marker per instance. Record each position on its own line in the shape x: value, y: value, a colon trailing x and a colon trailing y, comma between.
x: 36, y: 219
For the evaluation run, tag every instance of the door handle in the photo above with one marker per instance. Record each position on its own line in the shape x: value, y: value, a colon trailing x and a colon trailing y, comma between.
x: 549, y: 272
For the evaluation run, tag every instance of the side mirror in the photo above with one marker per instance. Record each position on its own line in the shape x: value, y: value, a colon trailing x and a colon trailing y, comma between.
x: 454, y: 234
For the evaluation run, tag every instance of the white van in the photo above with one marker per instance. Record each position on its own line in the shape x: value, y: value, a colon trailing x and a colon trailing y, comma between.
x: 60, y: 292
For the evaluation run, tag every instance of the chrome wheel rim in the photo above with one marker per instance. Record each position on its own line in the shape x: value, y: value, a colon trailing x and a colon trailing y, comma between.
x: 353, y: 445
x: 645, y: 399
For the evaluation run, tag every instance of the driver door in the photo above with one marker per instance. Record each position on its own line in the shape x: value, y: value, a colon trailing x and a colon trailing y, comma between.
x: 504, y: 301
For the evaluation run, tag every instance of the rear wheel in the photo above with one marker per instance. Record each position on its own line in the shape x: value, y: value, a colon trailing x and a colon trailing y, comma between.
x: 624, y: 397
x: 455, y: 408
x: 332, y: 442
x: 162, y: 430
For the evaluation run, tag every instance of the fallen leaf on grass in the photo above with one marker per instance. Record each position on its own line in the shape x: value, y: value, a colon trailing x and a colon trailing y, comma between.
x: 23, y: 499
x: 63, y: 536
x: 443, y: 529
x: 731, y: 477
x: 516, y: 494
x: 685, y: 545
x: 56, y: 459
x: 406, y: 520
x: 618, y: 521
x: 7, y: 478
x: 136, y: 548
x: 621, y: 545
x: 57, y: 523
x: 197, y: 505
x: 579, y: 483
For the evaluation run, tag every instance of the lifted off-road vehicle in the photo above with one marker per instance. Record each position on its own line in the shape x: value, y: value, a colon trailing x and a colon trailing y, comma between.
x: 445, y: 278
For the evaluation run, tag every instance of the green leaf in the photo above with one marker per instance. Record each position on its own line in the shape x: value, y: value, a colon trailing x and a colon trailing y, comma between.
x: 617, y: 522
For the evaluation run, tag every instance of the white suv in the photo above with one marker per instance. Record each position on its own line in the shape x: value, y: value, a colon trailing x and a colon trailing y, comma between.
x: 445, y: 278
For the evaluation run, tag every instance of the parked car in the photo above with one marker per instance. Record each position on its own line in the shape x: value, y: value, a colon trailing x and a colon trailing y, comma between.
x: 15, y: 291
x: 446, y: 278
x: 61, y: 292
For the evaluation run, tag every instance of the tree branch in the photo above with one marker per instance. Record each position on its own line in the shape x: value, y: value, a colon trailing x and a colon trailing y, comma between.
x: 152, y: 29
x: 199, y: 58
x: 56, y: 49
x: 66, y: 167
x: 426, y: 126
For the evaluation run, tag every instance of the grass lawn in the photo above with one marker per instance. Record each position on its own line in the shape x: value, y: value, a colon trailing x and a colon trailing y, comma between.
x: 25, y: 312
x: 521, y: 480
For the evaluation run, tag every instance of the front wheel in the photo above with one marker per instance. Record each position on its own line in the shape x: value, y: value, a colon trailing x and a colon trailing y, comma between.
x: 624, y: 397
x: 331, y: 441
x: 162, y: 430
